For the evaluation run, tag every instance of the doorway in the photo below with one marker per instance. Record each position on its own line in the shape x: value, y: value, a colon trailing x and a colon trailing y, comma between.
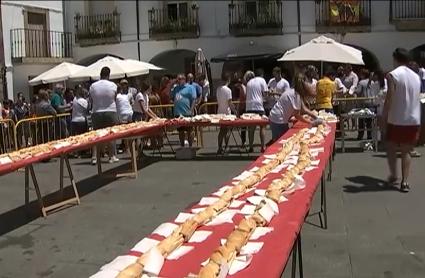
x: 36, y: 37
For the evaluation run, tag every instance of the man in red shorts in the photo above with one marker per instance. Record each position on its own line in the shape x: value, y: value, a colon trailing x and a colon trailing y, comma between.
x: 402, y: 113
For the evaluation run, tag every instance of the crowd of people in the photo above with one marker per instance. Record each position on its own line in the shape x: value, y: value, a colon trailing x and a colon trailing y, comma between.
x: 394, y: 97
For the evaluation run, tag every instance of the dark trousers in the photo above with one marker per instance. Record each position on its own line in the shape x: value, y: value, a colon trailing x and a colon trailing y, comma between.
x: 362, y: 124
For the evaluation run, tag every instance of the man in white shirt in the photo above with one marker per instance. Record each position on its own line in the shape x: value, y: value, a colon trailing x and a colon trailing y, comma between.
x: 402, y: 113
x: 277, y: 85
x: 256, y: 86
x: 225, y: 106
x: 102, y: 96
x: 350, y: 79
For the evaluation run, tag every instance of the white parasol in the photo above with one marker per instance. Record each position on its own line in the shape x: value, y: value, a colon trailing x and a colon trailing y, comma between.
x: 119, y: 68
x: 146, y: 64
x: 324, y: 49
x: 58, y: 73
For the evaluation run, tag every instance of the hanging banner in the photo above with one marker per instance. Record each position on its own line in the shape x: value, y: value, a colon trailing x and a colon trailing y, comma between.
x: 344, y: 11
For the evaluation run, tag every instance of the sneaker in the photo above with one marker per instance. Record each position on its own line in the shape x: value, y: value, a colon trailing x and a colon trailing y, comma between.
x: 93, y: 161
x: 113, y: 159
x: 404, y: 187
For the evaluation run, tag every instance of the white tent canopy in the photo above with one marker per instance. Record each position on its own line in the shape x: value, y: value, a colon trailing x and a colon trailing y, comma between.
x: 147, y: 65
x: 58, y: 73
x: 119, y: 68
x: 324, y: 49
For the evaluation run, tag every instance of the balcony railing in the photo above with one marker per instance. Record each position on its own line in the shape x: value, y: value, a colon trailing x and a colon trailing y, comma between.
x: 407, y: 10
x: 408, y: 14
x: 97, y: 29
x: 165, y: 25
x: 34, y: 43
x: 343, y: 15
x: 255, y: 18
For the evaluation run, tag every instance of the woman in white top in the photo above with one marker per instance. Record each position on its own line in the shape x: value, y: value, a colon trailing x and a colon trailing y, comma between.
x: 290, y: 104
x: 141, y: 110
x: 79, y: 113
x: 225, y: 106
x: 124, y: 109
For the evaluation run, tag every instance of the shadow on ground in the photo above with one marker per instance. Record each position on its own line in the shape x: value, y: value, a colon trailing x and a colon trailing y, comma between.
x: 25, y: 214
x: 366, y: 184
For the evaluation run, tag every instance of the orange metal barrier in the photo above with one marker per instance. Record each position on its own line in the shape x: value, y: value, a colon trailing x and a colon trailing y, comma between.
x: 7, y: 136
x: 38, y: 130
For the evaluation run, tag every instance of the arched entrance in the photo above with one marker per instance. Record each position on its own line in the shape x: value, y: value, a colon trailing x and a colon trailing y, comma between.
x: 175, y: 61
x: 370, y: 59
x: 418, y: 54
x: 93, y: 58
x: 250, y: 58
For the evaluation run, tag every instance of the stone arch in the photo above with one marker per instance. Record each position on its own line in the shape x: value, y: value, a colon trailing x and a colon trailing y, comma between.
x: 418, y: 54
x: 369, y: 58
x: 93, y: 58
x: 175, y: 61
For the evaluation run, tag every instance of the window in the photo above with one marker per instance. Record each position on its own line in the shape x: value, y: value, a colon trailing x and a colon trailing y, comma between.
x: 36, y: 18
x: 251, y: 9
x: 177, y: 11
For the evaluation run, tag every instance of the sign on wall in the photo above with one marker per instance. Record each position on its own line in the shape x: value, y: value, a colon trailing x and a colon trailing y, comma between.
x: 344, y: 11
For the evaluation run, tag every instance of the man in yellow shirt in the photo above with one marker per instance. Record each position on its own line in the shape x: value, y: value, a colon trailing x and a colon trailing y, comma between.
x: 325, y: 89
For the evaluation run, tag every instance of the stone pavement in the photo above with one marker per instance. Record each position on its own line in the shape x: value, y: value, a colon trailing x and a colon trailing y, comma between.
x: 373, y: 231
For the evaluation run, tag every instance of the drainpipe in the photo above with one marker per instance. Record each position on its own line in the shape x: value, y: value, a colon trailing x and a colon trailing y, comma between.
x: 299, y: 21
x: 138, y: 29
x: 64, y: 16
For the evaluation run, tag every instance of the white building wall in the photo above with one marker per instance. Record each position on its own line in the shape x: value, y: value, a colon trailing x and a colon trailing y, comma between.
x: 13, y: 18
x: 215, y: 38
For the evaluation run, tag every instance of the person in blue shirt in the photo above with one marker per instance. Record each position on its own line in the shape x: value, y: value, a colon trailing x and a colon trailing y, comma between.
x: 184, y: 98
x: 191, y: 81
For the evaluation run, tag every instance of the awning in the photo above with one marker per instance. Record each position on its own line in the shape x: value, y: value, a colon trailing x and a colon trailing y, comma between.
x: 248, y: 54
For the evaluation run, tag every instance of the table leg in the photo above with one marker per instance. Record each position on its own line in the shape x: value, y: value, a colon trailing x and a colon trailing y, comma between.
x: 297, y: 256
x: 330, y: 167
x: 133, y: 162
x: 61, y: 177
x: 323, y: 208
x: 343, y: 134
x: 71, y: 177
x: 98, y: 160
x: 37, y: 190
x: 375, y: 131
x: 27, y: 186
x: 168, y: 139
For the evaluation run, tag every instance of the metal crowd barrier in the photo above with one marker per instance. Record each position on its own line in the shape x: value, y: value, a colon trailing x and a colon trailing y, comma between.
x: 7, y: 136
x: 38, y: 130
x: 163, y: 110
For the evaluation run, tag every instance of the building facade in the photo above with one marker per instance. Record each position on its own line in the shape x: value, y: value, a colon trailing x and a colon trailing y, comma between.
x: 169, y: 31
x: 34, y: 40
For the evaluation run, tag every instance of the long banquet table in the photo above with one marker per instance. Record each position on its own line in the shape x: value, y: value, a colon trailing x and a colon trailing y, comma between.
x: 63, y: 152
x: 278, y: 244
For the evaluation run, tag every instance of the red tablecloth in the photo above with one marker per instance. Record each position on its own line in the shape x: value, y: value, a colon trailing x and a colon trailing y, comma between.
x: 234, y: 123
x: 272, y: 258
x: 142, y: 131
